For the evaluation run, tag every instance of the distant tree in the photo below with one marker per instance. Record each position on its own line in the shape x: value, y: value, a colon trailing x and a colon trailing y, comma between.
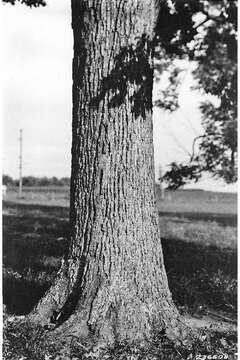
x: 36, y: 181
x: 54, y: 181
x: 29, y: 181
x: 65, y: 181
x: 43, y: 181
x: 7, y: 180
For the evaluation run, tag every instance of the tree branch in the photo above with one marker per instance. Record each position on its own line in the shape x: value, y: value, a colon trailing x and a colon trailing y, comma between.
x: 199, y: 137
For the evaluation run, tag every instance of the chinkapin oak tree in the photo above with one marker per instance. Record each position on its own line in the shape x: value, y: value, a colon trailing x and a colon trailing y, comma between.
x: 112, y: 284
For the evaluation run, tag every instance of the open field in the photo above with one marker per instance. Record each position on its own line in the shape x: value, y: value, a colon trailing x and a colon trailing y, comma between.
x: 198, y: 234
x: 189, y: 201
x: 45, y: 195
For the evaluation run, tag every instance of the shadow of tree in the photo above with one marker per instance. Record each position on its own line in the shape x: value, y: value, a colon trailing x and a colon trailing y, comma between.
x: 131, y: 66
x: 35, y: 237
x: 185, y: 258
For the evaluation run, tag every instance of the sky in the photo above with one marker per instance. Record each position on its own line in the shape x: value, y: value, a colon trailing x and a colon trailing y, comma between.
x: 36, y: 97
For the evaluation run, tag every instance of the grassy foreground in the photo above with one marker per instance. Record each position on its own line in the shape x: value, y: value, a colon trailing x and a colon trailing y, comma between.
x: 200, y: 252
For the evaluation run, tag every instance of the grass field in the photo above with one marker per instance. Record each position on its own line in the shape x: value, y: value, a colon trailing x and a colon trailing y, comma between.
x: 198, y: 203
x: 198, y: 234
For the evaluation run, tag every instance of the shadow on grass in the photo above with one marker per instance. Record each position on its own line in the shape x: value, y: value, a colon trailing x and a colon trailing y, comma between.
x: 184, y: 258
x: 201, y: 276
x: 27, y: 242
x: 221, y: 219
x: 20, y: 295
x: 35, y: 239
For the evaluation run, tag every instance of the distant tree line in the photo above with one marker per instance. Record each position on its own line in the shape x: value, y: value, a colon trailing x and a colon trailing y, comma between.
x: 36, y: 181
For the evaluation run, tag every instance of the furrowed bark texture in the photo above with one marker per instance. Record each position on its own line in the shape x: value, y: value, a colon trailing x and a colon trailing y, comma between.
x: 114, y: 279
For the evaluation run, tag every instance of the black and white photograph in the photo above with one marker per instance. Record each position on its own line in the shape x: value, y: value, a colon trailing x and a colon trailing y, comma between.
x: 119, y: 179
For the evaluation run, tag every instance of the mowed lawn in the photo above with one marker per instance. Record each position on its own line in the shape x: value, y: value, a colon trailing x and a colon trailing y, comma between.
x: 198, y: 234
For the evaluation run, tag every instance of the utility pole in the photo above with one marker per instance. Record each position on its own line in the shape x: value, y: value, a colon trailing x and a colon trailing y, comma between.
x: 20, y: 164
x: 161, y: 183
x: 3, y: 169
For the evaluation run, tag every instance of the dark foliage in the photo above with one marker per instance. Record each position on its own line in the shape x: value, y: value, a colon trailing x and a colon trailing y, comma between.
x: 175, y: 25
x: 212, y: 42
x: 8, y: 180
x: 180, y: 174
x: 31, y: 3
x: 166, y: 97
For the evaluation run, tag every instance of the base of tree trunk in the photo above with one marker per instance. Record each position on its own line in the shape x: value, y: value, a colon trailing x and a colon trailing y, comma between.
x: 115, y: 315
x: 77, y: 329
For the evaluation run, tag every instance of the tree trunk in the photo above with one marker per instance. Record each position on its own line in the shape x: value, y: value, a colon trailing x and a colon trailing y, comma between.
x: 113, y: 282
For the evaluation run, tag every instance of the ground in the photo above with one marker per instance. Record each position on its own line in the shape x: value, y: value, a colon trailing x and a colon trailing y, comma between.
x: 199, y: 239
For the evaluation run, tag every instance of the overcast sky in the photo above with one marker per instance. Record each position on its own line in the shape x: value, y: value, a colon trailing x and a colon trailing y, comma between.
x: 37, y: 57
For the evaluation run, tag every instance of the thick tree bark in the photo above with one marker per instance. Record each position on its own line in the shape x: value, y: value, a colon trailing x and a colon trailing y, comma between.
x: 113, y: 283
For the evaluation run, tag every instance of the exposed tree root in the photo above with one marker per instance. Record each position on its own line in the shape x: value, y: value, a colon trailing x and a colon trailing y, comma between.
x: 76, y: 327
